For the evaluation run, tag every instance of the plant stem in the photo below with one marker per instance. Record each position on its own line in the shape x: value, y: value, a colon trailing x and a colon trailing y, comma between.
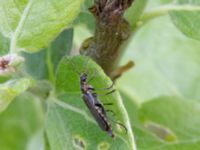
x: 164, y: 10
x: 111, y: 31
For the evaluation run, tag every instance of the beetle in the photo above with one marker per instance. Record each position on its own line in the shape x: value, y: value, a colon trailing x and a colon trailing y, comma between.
x: 95, y: 107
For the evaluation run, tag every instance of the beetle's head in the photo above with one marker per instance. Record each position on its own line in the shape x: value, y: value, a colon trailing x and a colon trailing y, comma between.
x: 83, y: 77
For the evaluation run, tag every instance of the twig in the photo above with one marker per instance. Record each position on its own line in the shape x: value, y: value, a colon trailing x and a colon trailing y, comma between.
x: 111, y: 31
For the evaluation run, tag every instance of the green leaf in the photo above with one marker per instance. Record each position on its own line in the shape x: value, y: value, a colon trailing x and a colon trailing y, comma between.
x: 180, y: 116
x: 188, y: 21
x: 165, y: 123
x: 85, y: 17
x: 184, y: 14
x: 87, y: 4
x: 135, y: 11
x: 42, y: 65
x: 35, y: 64
x: 166, y: 63
x: 72, y: 67
x: 11, y: 89
x: 68, y: 117
x: 33, y: 24
x: 41, y: 89
x: 4, y: 45
x: 60, y: 47
x: 20, y: 123
x: 10, y: 12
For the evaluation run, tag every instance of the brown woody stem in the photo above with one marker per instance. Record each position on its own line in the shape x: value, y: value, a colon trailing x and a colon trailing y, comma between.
x: 111, y: 31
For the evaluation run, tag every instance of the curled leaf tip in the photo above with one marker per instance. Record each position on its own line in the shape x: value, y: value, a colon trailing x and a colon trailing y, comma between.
x: 9, y: 63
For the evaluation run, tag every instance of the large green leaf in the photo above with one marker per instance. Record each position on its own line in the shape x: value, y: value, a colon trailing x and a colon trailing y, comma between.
x: 11, y: 89
x: 166, y: 123
x: 42, y: 65
x: 188, y: 21
x: 20, y: 123
x: 10, y: 12
x: 33, y: 24
x: 69, y: 123
x: 167, y: 63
